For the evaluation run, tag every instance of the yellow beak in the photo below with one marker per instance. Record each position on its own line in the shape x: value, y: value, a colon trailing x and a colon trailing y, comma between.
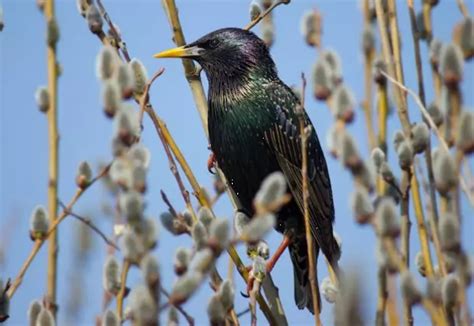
x: 179, y: 52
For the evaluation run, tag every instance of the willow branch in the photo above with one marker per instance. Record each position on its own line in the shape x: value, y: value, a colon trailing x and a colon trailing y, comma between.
x: 187, y: 316
x: 257, y: 20
x: 39, y: 243
x: 53, y: 144
x: 463, y: 8
x: 433, y: 127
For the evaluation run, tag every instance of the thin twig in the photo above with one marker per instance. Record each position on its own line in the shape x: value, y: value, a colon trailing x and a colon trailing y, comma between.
x: 433, y: 127
x: 145, y: 97
x: 116, y: 35
x: 88, y: 222
x: 39, y: 243
x: 462, y: 8
x: 265, y: 13
x: 187, y: 316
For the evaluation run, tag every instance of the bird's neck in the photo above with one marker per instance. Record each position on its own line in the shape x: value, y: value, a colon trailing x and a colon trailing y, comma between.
x: 227, y: 91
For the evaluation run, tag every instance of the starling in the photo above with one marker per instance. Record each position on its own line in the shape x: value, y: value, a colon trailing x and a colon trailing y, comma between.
x: 253, y: 131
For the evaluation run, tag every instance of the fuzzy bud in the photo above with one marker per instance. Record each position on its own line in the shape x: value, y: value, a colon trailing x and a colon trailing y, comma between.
x: 268, y: 34
x: 387, y: 219
x: 258, y: 227
x: 110, y: 318
x: 127, y: 125
x: 329, y: 290
x: 410, y: 290
x: 444, y: 170
x: 255, y: 10
x: 83, y: 175
x: 263, y: 250
x: 271, y: 191
x: 349, y: 153
x: 451, y: 65
x: 168, y: 222
x: 106, y: 63
x: 143, y: 307
x: 227, y: 295
x: 259, y: 268
x: 379, y: 66
x: 139, y: 178
x: 368, y: 40
x: 202, y: 261
x: 33, y: 311
x: 467, y: 37
x: 111, y: 98
x: 140, y: 155
x: 449, y: 233
x: 378, y: 158
x: 344, y: 103
x: 310, y: 27
x: 398, y: 139
x: 219, y: 234
x: 322, y: 83
x: 361, y: 205
x: 420, y: 263
x: 216, y: 311
x: 205, y: 217
x: 111, y: 275
x: 42, y: 99
x: 52, y: 33
x: 435, y: 52
x: 383, y: 259
x: 140, y: 76
x: 219, y: 185
x: 125, y: 80
x: 131, y: 246
x: 173, y: 318
x: 181, y: 260
x: 39, y: 223
x: 150, y: 269
x: 131, y: 205
x: 332, y: 58
x: 366, y: 176
x: 120, y: 173
x: 332, y: 141
x: 82, y: 6
x: 148, y: 229
x: 241, y: 220
x: 435, y: 114
x: 420, y: 137
x: 185, y: 286
x: 386, y: 172
x: 450, y: 291
x: 199, y: 235
x: 465, y: 134
x: 433, y: 290
x: 405, y: 155
x: 45, y: 318
x: 94, y: 19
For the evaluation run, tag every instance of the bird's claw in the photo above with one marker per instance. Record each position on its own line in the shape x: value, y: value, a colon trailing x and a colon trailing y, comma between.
x: 211, y: 163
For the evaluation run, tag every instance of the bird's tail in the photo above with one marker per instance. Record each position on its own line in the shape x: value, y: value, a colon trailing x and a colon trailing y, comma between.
x: 299, y: 258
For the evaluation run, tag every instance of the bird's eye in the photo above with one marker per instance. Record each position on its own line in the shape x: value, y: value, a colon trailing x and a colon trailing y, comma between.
x: 214, y: 43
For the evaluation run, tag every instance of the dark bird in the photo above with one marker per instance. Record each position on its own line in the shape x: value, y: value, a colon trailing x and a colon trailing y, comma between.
x: 253, y: 131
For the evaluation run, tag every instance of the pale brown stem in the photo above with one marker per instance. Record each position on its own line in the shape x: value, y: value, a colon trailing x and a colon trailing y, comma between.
x: 123, y: 285
x: 53, y: 144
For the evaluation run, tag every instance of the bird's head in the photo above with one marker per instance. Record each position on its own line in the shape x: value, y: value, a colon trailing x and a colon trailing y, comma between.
x: 228, y: 52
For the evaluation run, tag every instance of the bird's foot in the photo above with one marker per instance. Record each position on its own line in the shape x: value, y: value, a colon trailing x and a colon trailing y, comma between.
x: 211, y: 163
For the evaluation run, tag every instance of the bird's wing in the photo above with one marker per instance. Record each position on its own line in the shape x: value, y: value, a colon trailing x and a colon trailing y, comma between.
x: 284, y: 140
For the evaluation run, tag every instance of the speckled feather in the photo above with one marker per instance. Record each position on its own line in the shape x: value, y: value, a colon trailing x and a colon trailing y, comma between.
x: 253, y: 131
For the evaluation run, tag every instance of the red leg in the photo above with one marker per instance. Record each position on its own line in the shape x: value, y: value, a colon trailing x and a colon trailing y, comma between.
x: 211, y: 163
x: 281, y: 248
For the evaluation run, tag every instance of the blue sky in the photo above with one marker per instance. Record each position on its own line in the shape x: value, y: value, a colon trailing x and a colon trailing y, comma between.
x: 85, y: 134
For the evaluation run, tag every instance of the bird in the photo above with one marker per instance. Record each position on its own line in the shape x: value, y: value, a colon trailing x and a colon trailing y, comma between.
x: 254, y: 131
